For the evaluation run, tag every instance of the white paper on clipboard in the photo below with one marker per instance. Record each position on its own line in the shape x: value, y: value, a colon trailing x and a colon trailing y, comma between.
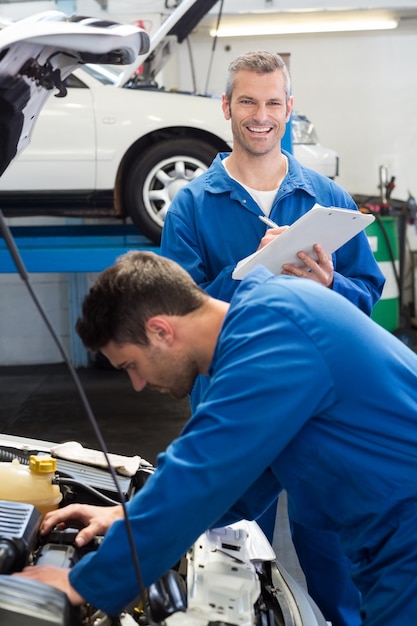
x: 328, y: 226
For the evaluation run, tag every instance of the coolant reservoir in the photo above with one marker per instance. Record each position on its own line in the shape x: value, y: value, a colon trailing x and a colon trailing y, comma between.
x: 31, y: 485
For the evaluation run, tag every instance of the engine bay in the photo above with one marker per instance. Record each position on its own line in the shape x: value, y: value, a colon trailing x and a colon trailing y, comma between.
x: 229, y: 576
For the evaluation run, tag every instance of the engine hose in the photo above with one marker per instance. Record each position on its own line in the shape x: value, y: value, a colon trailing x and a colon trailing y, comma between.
x: 7, y: 455
x: 71, y: 481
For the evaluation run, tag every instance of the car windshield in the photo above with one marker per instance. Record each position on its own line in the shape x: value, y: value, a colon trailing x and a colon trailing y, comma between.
x: 106, y: 74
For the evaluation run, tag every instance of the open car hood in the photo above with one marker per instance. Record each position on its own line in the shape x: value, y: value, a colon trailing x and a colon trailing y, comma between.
x: 174, y: 30
x: 36, y: 55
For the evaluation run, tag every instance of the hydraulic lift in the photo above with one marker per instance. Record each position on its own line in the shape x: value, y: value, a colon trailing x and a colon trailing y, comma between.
x: 75, y: 249
x: 71, y: 247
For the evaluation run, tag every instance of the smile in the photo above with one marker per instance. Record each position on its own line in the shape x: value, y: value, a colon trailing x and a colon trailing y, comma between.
x: 260, y: 129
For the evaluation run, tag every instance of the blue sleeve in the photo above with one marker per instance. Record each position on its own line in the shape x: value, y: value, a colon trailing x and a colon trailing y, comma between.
x: 220, y: 459
x: 357, y: 275
x: 180, y: 242
x: 255, y: 501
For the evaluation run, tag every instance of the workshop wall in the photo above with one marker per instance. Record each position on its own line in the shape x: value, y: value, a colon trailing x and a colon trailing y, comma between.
x: 359, y: 89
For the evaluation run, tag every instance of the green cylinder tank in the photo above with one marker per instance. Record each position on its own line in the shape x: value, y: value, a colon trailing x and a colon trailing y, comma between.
x: 383, y: 238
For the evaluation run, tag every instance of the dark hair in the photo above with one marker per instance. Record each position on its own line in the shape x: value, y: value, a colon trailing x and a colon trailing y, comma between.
x: 261, y: 62
x: 138, y: 286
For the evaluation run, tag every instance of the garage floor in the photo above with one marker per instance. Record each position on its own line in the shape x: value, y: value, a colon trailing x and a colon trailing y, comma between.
x: 42, y: 402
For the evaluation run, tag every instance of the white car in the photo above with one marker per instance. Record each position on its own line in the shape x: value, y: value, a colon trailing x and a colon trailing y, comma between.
x: 118, y: 145
x: 309, y: 151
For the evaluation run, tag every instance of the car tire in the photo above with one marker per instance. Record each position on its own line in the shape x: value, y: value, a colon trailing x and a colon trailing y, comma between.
x: 155, y: 177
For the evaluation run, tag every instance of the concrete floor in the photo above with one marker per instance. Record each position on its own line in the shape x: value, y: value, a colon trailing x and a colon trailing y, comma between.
x: 42, y: 402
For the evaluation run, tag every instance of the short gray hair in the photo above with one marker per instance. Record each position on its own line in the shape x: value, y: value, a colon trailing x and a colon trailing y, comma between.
x: 261, y: 62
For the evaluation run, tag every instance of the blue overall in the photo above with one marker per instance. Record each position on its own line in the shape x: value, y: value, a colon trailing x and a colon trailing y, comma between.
x: 212, y: 224
x: 306, y: 394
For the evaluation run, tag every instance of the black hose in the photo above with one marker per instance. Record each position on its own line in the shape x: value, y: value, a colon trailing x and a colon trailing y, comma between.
x: 8, y: 455
x: 71, y: 481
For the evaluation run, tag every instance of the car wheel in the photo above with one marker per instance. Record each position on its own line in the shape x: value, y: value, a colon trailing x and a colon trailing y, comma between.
x: 157, y: 175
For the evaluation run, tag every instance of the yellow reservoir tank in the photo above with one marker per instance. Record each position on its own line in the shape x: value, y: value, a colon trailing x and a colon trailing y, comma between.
x: 31, y: 484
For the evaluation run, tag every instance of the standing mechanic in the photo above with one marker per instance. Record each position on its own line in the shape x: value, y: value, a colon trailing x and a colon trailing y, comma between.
x: 214, y: 222
x: 306, y: 394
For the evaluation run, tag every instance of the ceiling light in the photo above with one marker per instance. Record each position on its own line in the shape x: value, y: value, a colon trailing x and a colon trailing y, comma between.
x: 281, y: 27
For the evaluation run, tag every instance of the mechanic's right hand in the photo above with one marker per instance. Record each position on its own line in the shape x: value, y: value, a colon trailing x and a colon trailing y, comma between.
x: 93, y: 520
x: 55, y: 576
x: 271, y: 234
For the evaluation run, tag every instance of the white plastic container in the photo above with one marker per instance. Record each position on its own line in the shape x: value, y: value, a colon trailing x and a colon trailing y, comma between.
x: 31, y: 484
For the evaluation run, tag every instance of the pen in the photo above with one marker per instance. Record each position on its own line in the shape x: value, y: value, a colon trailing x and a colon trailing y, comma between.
x: 267, y: 221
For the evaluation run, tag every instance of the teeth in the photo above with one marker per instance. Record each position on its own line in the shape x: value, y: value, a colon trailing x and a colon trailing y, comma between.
x: 257, y: 129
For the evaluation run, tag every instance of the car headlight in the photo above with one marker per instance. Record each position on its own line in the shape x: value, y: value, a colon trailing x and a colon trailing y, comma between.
x: 303, y: 131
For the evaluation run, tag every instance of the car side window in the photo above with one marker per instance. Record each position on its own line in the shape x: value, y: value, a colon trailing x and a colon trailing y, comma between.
x: 72, y: 81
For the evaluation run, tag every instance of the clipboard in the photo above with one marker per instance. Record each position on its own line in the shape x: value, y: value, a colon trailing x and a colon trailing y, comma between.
x: 329, y: 226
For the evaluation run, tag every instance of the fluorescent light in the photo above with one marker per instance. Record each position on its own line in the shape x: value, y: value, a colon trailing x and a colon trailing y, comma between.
x: 281, y: 27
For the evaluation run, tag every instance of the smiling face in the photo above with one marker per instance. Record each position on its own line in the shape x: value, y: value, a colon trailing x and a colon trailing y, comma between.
x: 258, y: 110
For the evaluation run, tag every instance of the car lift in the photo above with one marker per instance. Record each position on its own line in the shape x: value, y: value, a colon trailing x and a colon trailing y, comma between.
x: 75, y: 249
x: 72, y: 247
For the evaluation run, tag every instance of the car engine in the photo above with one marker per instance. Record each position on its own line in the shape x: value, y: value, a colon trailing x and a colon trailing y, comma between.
x: 228, y: 577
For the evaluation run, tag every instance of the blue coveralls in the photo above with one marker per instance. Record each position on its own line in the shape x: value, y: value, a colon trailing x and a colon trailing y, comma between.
x: 306, y: 394
x: 212, y: 224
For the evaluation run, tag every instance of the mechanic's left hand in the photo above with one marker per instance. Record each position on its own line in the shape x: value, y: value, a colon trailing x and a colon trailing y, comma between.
x: 56, y: 577
x: 320, y: 270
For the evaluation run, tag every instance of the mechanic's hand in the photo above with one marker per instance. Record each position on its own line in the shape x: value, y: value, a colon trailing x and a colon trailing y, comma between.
x: 56, y: 577
x: 270, y: 234
x: 320, y: 270
x: 93, y: 520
